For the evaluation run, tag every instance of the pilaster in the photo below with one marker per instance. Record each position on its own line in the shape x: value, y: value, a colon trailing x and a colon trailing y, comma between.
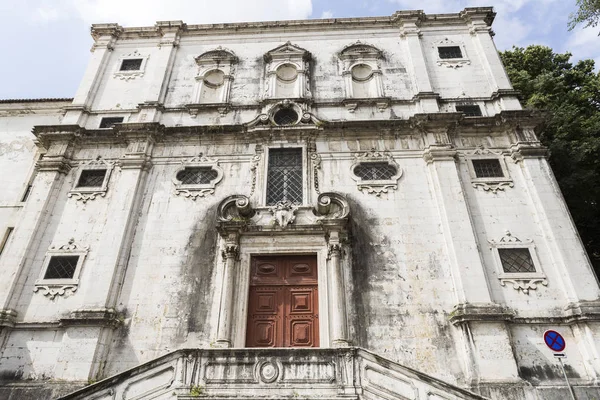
x: 411, y: 34
x: 568, y: 255
x: 479, y: 21
x: 481, y: 322
x: 163, y: 61
x: 105, y: 37
x: 51, y: 170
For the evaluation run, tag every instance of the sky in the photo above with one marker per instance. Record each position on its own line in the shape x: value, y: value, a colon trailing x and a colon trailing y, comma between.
x: 45, y: 43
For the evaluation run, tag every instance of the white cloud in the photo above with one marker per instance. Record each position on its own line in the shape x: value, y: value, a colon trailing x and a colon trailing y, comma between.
x: 583, y: 43
x: 327, y: 14
x: 147, y: 12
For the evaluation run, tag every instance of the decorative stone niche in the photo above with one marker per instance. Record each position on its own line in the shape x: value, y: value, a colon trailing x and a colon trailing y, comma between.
x: 213, y: 81
x: 375, y: 172
x: 197, y: 177
x: 61, y: 270
x: 287, y: 73
x: 362, y: 75
x: 517, y: 263
x: 91, y: 180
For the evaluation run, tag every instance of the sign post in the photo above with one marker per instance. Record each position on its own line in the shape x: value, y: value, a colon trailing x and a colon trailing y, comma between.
x: 557, y: 344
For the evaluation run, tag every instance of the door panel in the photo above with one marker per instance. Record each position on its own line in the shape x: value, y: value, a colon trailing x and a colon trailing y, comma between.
x: 283, y: 304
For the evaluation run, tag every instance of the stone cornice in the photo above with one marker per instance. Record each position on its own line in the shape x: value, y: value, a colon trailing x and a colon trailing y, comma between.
x: 479, y: 312
x: 579, y: 312
x: 393, y: 21
x: 108, y: 318
x: 450, y: 123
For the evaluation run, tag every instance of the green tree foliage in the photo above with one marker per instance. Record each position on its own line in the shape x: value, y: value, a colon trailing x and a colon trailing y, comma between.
x: 571, y: 95
x: 588, y: 12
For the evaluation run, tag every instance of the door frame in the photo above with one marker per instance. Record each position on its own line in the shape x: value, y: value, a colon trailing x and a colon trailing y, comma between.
x: 281, y: 245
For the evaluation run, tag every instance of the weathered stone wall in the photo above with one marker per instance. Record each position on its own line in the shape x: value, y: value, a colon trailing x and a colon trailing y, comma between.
x: 419, y: 272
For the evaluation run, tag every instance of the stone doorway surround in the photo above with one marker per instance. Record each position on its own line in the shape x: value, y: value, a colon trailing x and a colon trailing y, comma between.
x: 282, y: 229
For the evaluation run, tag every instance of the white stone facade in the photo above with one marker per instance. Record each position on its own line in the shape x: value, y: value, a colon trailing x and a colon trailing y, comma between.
x: 411, y: 263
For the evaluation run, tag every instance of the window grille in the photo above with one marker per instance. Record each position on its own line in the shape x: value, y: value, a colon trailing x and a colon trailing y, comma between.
x: 285, y: 116
x: 197, y: 176
x: 133, y: 64
x: 488, y: 168
x: 450, y: 52
x: 91, y: 178
x: 469, y: 110
x: 108, y: 122
x: 61, y: 267
x: 516, y: 260
x: 375, y: 171
x: 284, y: 177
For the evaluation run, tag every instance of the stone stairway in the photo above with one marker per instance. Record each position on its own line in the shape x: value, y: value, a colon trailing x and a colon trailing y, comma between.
x: 283, y: 373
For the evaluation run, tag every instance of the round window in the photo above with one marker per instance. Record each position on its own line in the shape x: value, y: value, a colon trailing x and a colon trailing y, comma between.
x: 286, y: 116
x: 362, y: 72
x: 214, y: 78
x: 287, y: 72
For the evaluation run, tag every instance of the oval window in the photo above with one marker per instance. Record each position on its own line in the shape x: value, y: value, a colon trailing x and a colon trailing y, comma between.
x: 197, y: 176
x: 375, y: 171
x: 285, y: 116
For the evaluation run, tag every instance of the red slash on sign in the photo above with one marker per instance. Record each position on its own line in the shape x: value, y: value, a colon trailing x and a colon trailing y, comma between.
x: 554, y: 341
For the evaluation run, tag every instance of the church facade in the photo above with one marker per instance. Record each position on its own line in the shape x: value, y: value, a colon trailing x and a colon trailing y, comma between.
x: 336, y: 209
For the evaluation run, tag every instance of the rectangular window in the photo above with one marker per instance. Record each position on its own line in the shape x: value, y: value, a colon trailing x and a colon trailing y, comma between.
x: 284, y: 176
x: 469, y: 110
x: 91, y: 178
x: 4, y: 241
x: 27, y: 192
x: 450, y: 52
x: 487, y: 168
x: 133, y: 64
x: 516, y: 260
x: 108, y: 122
x: 61, y: 267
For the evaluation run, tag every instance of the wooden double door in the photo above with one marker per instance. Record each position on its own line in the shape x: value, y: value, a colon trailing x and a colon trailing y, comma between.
x: 283, y: 308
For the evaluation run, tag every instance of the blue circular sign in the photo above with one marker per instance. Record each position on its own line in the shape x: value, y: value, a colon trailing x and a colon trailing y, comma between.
x: 554, y: 341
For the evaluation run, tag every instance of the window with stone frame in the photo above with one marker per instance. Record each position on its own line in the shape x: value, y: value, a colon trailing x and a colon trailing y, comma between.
x: 91, y: 179
x: 197, y: 177
x: 517, y: 264
x: 284, y: 176
x: 61, y: 269
x: 488, y: 169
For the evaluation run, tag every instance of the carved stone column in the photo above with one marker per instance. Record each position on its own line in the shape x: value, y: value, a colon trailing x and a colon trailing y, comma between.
x: 230, y: 255
x: 233, y: 214
x: 333, y: 211
x: 337, y: 293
